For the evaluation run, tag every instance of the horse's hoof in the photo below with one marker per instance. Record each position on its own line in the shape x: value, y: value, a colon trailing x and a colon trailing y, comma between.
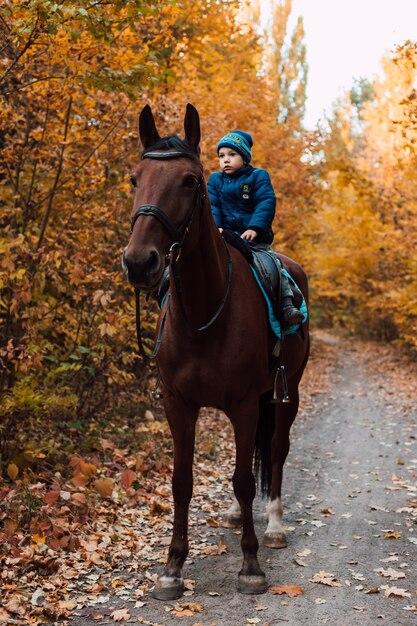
x: 231, y: 521
x: 275, y: 540
x: 252, y: 584
x: 168, y: 588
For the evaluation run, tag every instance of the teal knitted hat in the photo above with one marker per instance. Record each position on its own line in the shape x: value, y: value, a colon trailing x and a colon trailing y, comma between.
x: 240, y: 141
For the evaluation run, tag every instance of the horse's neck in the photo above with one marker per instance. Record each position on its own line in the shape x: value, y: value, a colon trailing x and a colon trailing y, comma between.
x: 203, y: 273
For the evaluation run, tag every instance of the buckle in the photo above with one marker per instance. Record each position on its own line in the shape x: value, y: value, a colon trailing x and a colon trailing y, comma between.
x: 174, y: 253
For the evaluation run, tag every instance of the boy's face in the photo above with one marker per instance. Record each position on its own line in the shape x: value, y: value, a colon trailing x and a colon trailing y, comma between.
x: 230, y: 161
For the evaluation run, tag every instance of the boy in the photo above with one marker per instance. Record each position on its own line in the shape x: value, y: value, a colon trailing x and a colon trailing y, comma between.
x: 243, y: 200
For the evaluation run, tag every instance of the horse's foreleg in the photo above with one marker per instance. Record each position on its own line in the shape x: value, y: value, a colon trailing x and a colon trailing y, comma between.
x: 275, y: 535
x: 251, y: 578
x: 182, y: 421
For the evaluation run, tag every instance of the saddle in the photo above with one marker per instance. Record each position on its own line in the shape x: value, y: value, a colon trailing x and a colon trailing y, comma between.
x: 267, y: 265
x: 264, y: 261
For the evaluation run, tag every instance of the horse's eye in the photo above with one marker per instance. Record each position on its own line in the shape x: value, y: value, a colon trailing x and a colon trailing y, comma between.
x: 133, y: 180
x: 189, y: 182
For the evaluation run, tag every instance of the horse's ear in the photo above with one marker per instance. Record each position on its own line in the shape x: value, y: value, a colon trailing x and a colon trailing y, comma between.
x: 192, y: 127
x: 147, y: 129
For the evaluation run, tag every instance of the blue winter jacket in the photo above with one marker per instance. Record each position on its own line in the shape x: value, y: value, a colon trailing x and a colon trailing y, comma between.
x: 245, y: 199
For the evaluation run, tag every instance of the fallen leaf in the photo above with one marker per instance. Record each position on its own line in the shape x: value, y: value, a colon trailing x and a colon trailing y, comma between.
x: 10, y: 525
x: 88, y: 469
x: 325, y: 578
x: 104, y: 486
x: 289, y: 590
x: 12, y: 471
x: 303, y: 553
x: 395, y: 591
x: 187, y: 609
x: 156, y: 508
x: 390, y: 573
x: 51, y: 497
x: 79, y: 498
x: 214, y: 549
x: 120, y: 615
x: 327, y: 511
x: 127, y: 478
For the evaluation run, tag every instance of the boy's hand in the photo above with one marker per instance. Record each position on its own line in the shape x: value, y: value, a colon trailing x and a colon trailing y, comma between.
x: 249, y: 234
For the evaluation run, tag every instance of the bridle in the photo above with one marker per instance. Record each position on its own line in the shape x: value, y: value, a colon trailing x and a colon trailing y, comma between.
x: 178, y: 236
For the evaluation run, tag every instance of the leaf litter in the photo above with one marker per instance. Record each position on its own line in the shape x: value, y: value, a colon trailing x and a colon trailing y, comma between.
x: 104, y: 522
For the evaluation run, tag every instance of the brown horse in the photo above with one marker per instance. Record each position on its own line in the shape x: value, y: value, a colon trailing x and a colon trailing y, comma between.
x: 216, y: 344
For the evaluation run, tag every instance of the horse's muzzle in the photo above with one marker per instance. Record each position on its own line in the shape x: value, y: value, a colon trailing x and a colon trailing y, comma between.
x: 143, y: 268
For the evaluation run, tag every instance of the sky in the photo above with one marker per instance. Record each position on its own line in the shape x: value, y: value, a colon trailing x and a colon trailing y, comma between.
x: 347, y: 39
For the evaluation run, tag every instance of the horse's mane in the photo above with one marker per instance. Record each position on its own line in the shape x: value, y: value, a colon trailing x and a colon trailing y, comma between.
x: 174, y: 142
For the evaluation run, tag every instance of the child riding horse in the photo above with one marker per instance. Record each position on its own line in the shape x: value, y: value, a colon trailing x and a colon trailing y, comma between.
x: 215, y: 339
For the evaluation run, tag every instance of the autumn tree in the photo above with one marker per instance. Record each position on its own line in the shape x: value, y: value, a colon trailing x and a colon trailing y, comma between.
x: 361, y: 236
x: 287, y: 64
x: 75, y: 75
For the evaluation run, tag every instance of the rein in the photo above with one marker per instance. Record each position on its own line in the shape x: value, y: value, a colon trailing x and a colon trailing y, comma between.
x: 178, y: 236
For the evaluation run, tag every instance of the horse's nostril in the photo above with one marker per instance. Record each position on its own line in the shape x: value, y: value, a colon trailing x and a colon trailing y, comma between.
x: 154, y: 261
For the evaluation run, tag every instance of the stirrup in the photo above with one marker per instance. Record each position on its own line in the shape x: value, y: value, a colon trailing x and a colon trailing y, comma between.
x: 291, y: 315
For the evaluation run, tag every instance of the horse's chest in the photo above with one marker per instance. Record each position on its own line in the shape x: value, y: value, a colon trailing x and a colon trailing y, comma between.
x: 209, y: 377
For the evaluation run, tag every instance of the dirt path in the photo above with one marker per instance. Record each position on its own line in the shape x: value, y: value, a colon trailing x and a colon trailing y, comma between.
x: 350, y: 500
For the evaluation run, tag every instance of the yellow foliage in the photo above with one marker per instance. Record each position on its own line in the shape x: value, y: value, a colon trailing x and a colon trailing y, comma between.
x: 362, y: 236
x: 75, y: 76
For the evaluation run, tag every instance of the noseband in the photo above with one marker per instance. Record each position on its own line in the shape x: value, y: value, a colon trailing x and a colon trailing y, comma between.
x: 178, y: 236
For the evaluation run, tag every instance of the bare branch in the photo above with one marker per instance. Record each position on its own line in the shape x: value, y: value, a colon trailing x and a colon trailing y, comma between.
x: 57, y: 177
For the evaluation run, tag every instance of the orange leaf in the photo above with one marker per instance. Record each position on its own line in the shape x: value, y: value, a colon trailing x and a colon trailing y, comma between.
x: 157, y: 507
x: 183, y: 613
x: 88, y: 469
x: 127, y: 478
x: 290, y: 590
x: 12, y: 471
x: 51, y: 497
x: 393, y: 535
x: 79, y: 480
x: 104, y: 486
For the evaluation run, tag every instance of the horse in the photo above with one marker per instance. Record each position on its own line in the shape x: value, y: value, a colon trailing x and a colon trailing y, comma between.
x: 214, y: 342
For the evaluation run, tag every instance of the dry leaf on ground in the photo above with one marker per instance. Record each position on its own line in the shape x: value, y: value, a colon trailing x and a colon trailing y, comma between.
x: 289, y: 590
x: 325, y: 578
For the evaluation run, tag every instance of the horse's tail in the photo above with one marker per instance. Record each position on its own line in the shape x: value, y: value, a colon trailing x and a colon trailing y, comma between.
x: 264, y: 433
